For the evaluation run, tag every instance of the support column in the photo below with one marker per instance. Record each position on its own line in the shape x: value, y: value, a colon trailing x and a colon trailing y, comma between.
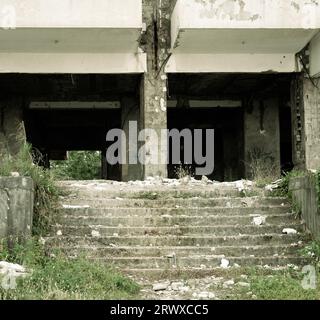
x: 306, y: 123
x: 156, y: 15
x: 262, y: 139
x: 12, y: 131
x: 132, y: 169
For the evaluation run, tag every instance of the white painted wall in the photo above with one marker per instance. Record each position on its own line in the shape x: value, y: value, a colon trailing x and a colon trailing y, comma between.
x: 74, y: 13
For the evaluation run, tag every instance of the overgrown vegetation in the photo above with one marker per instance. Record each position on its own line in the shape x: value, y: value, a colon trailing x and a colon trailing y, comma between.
x: 55, y: 277
x: 283, y: 188
x: 80, y: 165
x: 46, y: 192
x: 183, y: 170
x: 262, y: 167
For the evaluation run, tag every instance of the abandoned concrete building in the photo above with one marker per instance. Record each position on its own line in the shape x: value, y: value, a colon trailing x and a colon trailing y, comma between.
x: 72, y: 70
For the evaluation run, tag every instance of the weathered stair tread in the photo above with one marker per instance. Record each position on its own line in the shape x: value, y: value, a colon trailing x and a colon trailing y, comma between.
x: 174, y: 229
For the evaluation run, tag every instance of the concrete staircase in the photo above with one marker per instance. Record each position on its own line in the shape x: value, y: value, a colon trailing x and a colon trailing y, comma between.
x: 174, y: 227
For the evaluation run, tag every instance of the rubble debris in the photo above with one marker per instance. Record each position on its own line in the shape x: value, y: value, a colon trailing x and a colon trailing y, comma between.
x: 258, y: 221
x: 289, y: 231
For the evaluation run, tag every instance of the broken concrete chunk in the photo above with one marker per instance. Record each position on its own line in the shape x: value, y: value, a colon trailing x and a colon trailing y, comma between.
x: 95, y: 233
x: 6, y: 267
x: 289, y: 231
x: 176, y: 286
x: 160, y: 286
x: 228, y: 283
x: 224, y: 263
x: 259, y: 221
x: 243, y: 284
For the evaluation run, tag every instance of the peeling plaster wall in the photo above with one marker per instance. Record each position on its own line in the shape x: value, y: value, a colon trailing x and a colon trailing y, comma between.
x: 262, y: 134
x: 248, y: 14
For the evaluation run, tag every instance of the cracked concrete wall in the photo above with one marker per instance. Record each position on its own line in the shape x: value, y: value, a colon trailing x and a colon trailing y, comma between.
x: 311, y: 100
x: 16, y: 207
x: 262, y: 138
x: 305, y: 102
x: 305, y: 195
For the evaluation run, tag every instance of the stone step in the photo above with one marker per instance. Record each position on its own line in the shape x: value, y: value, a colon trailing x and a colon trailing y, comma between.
x: 213, y: 261
x: 165, y: 192
x: 174, y: 202
x: 168, y: 220
x: 193, y: 211
x: 201, y: 241
x: 131, y: 251
x: 217, y: 230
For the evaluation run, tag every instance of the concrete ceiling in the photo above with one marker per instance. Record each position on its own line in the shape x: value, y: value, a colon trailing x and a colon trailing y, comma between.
x: 217, y: 41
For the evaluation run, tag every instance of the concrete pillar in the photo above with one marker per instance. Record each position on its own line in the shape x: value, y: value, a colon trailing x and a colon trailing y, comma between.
x: 306, y: 123
x: 156, y: 15
x: 16, y: 208
x: 262, y: 138
x: 130, y: 113
x: 12, y: 131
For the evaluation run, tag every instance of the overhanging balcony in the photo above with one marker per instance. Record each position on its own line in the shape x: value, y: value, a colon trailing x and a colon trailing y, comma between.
x: 241, y: 35
x: 71, y: 36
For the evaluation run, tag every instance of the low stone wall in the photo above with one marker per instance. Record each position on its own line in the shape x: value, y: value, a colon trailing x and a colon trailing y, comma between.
x: 16, y: 207
x: 305, y: 196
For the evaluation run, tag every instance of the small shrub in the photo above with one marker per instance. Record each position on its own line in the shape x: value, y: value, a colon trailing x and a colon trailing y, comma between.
x: 81, y: 165
x: 262, y: 167
x: 183, y: 171
x: 312, y: 250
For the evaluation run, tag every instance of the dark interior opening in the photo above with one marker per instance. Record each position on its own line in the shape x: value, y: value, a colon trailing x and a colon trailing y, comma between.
x: 54, y: 131
x: 227, y: 121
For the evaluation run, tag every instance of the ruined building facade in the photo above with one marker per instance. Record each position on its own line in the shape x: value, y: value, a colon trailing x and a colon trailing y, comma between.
x: 72, y: 70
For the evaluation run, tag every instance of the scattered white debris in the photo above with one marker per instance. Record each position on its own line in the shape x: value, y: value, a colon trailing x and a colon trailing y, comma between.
x: 224, y: 263
x: 176, y: 286
x: 95, y: 233
x: 228, y: 283
x: 6, y: 267
x: 274, y: 185
x: 59, y: 233
x: 118, y: 198
x: 66, y: 206
x: 42, y: 241
x: 258, y: 221
x: 15, y: 174
x: 240, y: 185
x: 116, y: 235
x: 243, y: 284
x: 204, y: 295
x: 9, y: 273
x: 289, y: 231
x: 160, y: 286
